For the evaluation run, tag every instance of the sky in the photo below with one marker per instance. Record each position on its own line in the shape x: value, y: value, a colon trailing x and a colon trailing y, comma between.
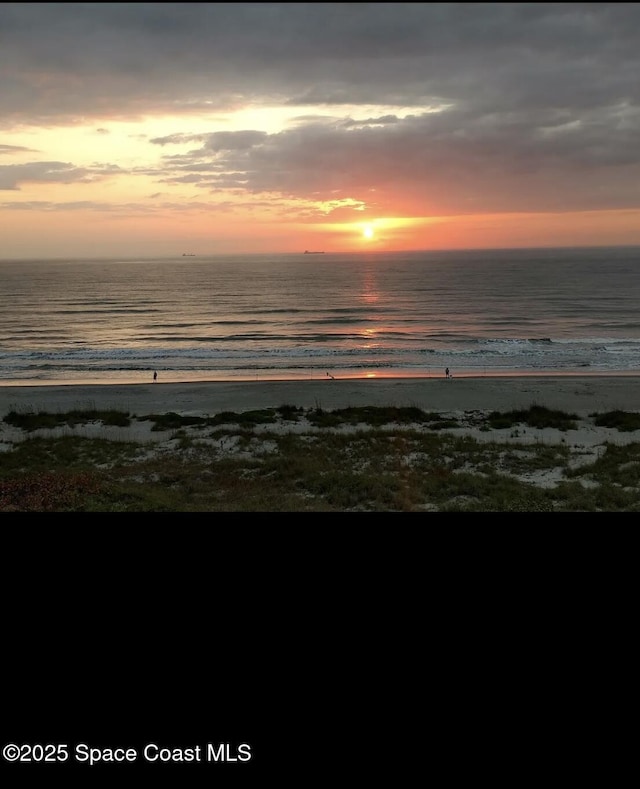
x: 155, y: 129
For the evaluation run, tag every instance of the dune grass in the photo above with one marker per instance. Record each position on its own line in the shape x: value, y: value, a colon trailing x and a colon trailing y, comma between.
x: 350, y: 460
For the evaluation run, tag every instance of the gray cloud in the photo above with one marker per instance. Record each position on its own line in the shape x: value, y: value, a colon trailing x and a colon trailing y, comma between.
x: 453, y: 162
x: 540, y: 102
x: 12, y: 149
x: 130, y: 57
x: 11, y: 176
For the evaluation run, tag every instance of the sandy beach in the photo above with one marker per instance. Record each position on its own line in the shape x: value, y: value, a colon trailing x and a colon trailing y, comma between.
x: 581, y: 395
x: 464, y: 403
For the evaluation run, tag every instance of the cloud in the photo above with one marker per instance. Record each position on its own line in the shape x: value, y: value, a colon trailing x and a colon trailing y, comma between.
x: 405, y: 108
x: 450, y: 162
x: 11, y: 176
x: 11, y: 149
x: 68, y: 60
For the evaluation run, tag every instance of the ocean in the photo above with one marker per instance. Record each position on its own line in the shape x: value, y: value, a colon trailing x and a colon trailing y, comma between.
x: 301, y: 316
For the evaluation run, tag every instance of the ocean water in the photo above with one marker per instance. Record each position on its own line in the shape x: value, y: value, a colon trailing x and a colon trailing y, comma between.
x: 297, y: 316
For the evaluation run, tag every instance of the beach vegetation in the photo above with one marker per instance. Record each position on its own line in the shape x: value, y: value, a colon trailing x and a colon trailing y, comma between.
x: 617, y: 466
x: 39, y: 420
x: 173, y: 421
x: 378, y: 416
x: 535, y: 416
x: 47, y: 491
x: 265, y: 416
x: 624, y: 421
x: 389, y: 460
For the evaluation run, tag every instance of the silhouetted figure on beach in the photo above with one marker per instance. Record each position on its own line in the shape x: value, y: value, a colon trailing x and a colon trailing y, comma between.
x: 447, y: 374
x: 155, y: 375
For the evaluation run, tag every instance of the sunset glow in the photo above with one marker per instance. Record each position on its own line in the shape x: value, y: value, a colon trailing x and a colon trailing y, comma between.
x: 148, y: 129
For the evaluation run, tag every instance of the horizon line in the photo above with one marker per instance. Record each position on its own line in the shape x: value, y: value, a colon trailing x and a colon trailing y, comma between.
x: 420, y: 250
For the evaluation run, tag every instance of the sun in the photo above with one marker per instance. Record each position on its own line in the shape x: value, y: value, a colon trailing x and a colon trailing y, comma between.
x: 367, y: 231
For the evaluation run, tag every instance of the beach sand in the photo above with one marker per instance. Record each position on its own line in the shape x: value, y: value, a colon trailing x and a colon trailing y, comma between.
x: 581, y: 395
x: 462, y: 402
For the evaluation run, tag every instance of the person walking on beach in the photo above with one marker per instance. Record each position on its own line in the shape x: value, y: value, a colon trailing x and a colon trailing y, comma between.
x: 447, y: 374
x: 155, y: 376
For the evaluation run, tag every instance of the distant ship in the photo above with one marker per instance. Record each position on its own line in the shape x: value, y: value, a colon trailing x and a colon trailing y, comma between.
x: 188, y: 254
x: 308, y: 252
